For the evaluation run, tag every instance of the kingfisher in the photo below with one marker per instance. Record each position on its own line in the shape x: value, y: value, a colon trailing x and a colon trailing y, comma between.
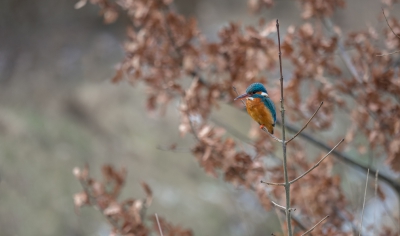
x: 259, y: 106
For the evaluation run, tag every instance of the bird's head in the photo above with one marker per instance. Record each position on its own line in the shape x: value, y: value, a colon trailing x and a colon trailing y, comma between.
x: 254, y: 90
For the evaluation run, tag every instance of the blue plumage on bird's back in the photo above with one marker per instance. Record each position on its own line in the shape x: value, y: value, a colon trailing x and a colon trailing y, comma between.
x: 270, y: 105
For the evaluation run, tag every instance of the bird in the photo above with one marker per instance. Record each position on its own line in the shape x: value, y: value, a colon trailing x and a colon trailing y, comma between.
x: 259, y: 106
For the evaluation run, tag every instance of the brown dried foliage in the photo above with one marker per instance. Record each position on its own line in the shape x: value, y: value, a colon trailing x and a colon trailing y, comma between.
x: 125, y: 217
x: 167, y: 52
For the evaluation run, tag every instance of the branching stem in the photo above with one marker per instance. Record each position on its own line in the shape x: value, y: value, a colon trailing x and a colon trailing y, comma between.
x: 287, y: 183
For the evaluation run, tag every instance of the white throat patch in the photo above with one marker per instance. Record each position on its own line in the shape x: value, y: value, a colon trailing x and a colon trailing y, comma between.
x: 250, y: 98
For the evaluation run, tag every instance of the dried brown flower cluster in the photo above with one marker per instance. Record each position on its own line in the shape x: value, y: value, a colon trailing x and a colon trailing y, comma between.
x: 168, y: 53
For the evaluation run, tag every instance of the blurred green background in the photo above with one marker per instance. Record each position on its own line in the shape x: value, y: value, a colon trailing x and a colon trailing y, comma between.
x: 59, y: 110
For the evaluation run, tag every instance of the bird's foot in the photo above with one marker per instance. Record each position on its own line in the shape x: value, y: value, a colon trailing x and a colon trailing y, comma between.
x: 262, y: 126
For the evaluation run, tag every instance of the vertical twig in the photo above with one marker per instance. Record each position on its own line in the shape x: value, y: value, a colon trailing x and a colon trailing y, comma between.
x: 362, y: 212
x: 287, y: 184
x: 376, y: 191
x: 159, y: 226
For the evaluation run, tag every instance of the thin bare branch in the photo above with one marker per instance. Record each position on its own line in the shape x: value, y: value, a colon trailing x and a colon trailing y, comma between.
x: 308, y: 231
x: 320, y: 105
x: 294, y: 218
x: 276, y: 184
x: 316, y: 165
x: 271, y: 135
x: 362, y: 213
x: 282, y: 207
x: 390, y: 27
x: 159, y: 226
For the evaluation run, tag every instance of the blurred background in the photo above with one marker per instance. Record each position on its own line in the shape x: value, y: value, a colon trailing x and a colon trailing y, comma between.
x: 58, y: 110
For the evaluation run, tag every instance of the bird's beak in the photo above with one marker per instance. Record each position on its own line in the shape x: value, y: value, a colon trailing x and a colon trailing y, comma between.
x: 242, y: 96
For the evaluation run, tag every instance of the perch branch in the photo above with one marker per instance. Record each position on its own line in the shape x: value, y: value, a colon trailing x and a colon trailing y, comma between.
x: 271, y: 135
x: 308, y: 231
x: 287, y: 183
x: 320, y: 105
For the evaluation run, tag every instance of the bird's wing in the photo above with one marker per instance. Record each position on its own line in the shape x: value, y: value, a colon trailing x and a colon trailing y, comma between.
x: 270, y: 105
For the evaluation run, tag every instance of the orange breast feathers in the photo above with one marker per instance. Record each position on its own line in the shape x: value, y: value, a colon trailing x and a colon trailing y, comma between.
x: 260, y: 113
